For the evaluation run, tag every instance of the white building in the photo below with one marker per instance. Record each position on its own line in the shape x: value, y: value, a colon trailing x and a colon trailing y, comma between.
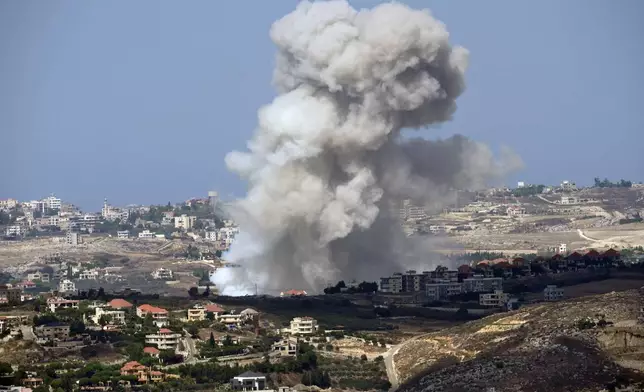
x: 235, y: 319
x: 440, y: 291
x: 60, y: 303
x: 66, y: 286
x: 147, y: 234
x: 165, y: 339
x: 162, y: 273
x: 303, y: 326
x: 124, y: 234
x: 553, y: 293
x: 520, y: 184
x: 568, y: 200
x: 116, y: 316
x: 15, y: 230
x: 7, y: 204
x: 52, y: 203
x: 562, y: 249
x: 227, y: 235
x: 211, y: 235
x: 38, y: 276
x: 497, y: 299
x: 184, y: 222
x: 249, y: 381
x: 89, y: 275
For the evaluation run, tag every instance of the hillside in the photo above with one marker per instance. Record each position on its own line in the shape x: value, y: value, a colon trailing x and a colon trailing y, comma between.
x: 543, y: 347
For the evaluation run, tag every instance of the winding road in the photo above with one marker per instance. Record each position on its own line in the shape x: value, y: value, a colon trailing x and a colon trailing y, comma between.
x: 390, y: 365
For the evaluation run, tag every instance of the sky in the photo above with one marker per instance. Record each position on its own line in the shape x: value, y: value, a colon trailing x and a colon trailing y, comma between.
x: 140, y: 101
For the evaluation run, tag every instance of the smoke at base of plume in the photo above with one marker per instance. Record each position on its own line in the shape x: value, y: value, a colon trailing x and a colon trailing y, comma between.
x: 326, y: 160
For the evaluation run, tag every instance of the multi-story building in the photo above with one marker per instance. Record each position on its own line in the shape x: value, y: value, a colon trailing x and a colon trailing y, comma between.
x: 392, y: 284
x: 7, y: 204
x: 184, y: 222
x: 66, y: 286
x: 211, y: 236
x: 115, y: 316
x: 553, y: 293
x: 497, y: 299
x: 441, y: 291
x: 227, y: 235
x: 249, y: 381
x: 231, y: 319
x: 479, y: 284
x: 73, y: 238
x: 13, y: 321
x: 123, y: 234
x: 56, y: 303
x: 159, y: 315
x: 165, y: 339
x: 303, y: 326
x: 52, y: 331
x: 13, y: 295
x: 200, y: 312
x: 52, y: 202
x: 89, y: 275
x: 285, y: 347
x: 15, y: 231
x: 38, y: 276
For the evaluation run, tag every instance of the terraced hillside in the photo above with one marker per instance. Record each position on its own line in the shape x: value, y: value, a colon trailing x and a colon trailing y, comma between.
x: 583, y: 344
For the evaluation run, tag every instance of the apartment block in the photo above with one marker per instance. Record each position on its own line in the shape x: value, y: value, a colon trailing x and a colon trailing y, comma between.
x: 165, y: 339
x: 497, y: 299
x: 479, y: 284
x: 303, y: 326
x: 553, y: 293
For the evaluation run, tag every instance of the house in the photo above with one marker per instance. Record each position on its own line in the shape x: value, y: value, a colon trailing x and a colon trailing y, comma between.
x: 26, y: 284
x: 199, y: 312
x: 232, y: 319
x: 32, y: 382
x: 13, y: 321
x: 293, y: 293
x: 303, y: 326
x: 152, y: 351
x: 159, y: 315
x: 52, y: 331
x: 249, y: 381
x: 165, y: 339
x: 115, y: 316
x: 56, y: 303
x: 553, y: 293
x: 67, y: 286
x: 119, y: 303
x: 249, y: 313
x: 497, y: 299
x: 38, y: 276
x: 133, y: 368
x: 162, y: 273
x: 285, y: 347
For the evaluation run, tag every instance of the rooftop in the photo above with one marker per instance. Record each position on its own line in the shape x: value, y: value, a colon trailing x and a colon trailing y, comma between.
x: 119, y: 303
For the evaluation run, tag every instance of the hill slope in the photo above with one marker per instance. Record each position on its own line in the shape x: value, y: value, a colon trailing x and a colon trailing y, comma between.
x: 543, y: 347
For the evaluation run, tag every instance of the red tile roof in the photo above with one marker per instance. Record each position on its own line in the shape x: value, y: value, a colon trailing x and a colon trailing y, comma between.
x: 151, y: 350
x: 611, y: 253
x: 165, y: 330
x: 295, y: 292
x: 119, y: 303
x: 132, y: 365
x: 147, y: 308
x: 213, y: 308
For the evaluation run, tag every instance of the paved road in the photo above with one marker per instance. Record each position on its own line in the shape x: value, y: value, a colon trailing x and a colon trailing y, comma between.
x: 390, y: 365
x: 191, y: 347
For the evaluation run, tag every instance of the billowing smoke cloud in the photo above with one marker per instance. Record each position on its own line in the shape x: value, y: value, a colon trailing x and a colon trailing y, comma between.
x: 327, y: 158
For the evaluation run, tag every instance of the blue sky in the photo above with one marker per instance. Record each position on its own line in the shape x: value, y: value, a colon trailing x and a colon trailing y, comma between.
x: 139, y: 101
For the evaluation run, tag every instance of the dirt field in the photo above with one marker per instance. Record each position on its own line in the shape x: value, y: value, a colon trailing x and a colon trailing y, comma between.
x: 593, y: 288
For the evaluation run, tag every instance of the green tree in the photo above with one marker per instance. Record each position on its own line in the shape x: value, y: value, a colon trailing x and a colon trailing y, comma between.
x: 211, y: 341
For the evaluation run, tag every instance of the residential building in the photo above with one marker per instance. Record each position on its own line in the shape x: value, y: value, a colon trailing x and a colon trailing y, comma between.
x: 479, y: 284
x: 232, y: 319
x: 52, y: 202
x: 8, y: 204
x: 134, y: 368
x: 119, y: 303
x: 497, y: 299
x: 391, y: 284
x: 184, y: 222
x: 211, y: 236
x: 147, y: 234
x: 152, y: 351
x: 115, y: 316
x: 52, y: 331
x: 162, y: 273
x: 568, y: 200
x: 56, y: 303
x: 67, y: 286
x: 123, y: 234
x: 32, y: 382
x: 159, y: 315
x: 200, y: 312
x: 73, y: 238
x: 562, y: 249
x: 12, y: 294
x: 13, y: 321
x: 89, y: 275
x: 165, y: 339
x: 553, y: 293
x: 38, y: 276
x: 285, y: 347
x: 441, y: 291
x: 303, y: 326
x: 15, y: 231
x: 227, y: 235
x: 249, y: 381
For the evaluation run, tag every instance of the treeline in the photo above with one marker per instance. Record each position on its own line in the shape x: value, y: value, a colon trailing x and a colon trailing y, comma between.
x: 605, y: 183
x: 341, y: 287
x: 529, y: 190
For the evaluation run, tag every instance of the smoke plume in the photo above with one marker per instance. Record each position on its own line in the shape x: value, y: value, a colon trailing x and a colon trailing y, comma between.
x: 327, y: 158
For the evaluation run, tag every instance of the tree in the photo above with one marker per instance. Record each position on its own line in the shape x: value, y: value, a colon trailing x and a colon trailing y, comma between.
x: 5, y: 369
x: 105, y: 319
x: 363, y: 357
x: 76, y: 327
x: 193, y: 292
x: 211, y: 341
x: 206, y: 292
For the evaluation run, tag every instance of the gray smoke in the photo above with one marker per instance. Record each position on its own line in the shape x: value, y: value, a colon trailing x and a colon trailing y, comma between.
x: 327, y: 160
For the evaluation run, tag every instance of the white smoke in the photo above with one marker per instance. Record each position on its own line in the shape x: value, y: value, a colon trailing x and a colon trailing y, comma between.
x: 325, y: 160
